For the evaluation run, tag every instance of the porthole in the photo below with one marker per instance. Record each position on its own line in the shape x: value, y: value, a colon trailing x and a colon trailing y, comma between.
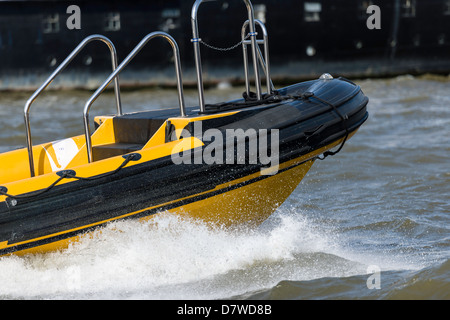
x: 310, y: 51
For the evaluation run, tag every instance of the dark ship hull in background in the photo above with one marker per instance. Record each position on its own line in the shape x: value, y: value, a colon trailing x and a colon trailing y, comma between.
x: 307, y: 38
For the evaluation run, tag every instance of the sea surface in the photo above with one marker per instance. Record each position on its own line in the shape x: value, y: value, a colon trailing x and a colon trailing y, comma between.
x: 372, y: 222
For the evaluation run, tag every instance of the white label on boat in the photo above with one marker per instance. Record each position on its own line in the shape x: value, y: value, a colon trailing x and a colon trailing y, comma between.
x: 65, y: 151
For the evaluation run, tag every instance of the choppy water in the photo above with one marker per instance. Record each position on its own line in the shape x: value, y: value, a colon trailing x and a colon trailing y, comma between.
x: 382, y: 204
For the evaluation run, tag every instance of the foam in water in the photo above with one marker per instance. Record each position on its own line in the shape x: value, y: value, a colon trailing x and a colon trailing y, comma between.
x: 170, y: 257
x: 132, y: 256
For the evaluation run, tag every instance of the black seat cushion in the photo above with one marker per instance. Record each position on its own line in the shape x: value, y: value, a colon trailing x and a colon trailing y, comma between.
x: 135, y: 128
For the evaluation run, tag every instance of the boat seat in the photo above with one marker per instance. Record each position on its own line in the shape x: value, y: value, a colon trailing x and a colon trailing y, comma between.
x: 131, y: 132
x: 114, y: 149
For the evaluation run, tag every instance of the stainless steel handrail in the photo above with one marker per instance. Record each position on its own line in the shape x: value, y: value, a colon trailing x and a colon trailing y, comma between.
x: 196, y: 41
x: 264, y: 61
x: 176, y: 53
x: 58, y: 70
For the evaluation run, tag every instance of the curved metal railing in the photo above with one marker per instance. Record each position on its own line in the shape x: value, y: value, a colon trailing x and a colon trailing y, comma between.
x: 144, y: 41
x: 58, y: 70
x: 264, y: 61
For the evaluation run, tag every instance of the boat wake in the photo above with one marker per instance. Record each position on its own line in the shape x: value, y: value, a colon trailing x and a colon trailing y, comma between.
x: 171, y: 257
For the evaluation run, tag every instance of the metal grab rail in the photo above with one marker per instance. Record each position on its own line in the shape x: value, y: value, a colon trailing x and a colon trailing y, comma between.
x: 196, y: 41
x: 264, y: 61
x: 58, y: 70
x: 144, y: 41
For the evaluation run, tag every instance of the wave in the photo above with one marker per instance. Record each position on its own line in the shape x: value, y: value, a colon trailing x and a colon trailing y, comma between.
x: 132, y: 259
x: 174, y: 257
x: 431, y: 283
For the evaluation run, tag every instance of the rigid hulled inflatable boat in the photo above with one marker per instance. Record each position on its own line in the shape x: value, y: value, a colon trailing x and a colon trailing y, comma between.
x: 230, y: 163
